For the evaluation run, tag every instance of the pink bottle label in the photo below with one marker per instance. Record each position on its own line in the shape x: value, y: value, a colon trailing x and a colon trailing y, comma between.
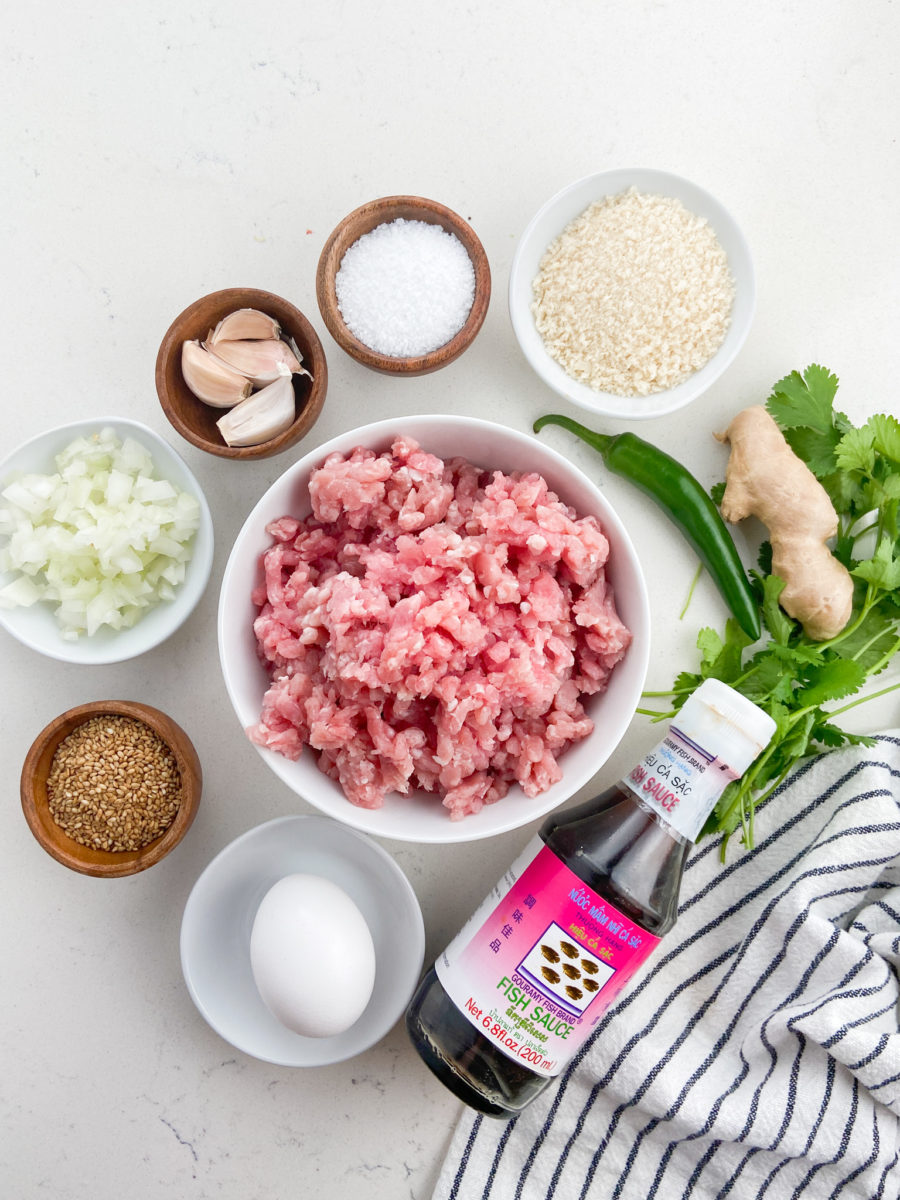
x: 540, y: 961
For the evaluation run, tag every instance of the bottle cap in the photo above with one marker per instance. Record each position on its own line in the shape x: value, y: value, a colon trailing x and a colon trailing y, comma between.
x: 713, y: 739
x: 726, y: 723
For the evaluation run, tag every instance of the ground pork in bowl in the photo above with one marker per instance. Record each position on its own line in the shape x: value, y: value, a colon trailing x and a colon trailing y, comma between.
x: 434, y: 628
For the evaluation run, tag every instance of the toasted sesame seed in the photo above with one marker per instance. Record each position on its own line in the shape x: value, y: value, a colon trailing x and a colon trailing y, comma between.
x: 113, y: 784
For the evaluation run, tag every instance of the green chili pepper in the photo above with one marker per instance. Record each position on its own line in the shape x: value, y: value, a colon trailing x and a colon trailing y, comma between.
x: 685, y: 501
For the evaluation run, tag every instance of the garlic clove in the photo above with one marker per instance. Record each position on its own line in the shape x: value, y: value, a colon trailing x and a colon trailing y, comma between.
x: 261, y: 362
x: 243, y: 324
x: 299, y: 357
x: 264, y: 415
x: 211, y: 380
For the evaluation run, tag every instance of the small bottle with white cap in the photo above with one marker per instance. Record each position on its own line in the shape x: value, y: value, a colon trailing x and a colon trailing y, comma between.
x: 523, y: 985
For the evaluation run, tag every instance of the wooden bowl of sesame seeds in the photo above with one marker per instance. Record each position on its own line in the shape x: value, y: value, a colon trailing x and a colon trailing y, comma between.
x: 109, y: 788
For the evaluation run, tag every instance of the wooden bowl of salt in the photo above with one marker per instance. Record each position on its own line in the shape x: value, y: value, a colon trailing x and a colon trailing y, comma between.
x: 403, y: 285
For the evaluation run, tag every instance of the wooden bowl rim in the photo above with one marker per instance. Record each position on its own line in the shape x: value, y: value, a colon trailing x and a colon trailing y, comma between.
x: 363, y: 220
x: 110, y: 863
x: 241, y: 297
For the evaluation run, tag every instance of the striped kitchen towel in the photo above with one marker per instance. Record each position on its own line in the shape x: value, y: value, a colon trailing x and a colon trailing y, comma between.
x: 758, y: 1053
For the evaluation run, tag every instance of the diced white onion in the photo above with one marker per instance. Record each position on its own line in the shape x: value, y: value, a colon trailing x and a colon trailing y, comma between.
x: 103, y: 537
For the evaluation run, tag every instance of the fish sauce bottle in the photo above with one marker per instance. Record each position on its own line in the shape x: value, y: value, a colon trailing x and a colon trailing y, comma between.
x: 523, y: 985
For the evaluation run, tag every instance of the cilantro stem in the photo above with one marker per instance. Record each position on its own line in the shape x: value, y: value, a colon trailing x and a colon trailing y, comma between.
x: 885, y: 659
x: 690, y: 594
x: 836, y: 712
x: 867, y: 606
x: 871, y: 642
x: 773, y: 786
x: 651, y: 712
x: 745, y: 789
x: 860, y: 532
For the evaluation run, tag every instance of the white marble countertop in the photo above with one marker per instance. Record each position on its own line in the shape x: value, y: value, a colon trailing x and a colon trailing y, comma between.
x: 155, y: 153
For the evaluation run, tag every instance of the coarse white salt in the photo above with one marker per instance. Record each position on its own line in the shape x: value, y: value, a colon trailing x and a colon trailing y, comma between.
x: 634, y: 296
x: 406, y: 288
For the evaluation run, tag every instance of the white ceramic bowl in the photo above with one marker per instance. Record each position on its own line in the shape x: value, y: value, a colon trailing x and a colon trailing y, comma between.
x: 548, y: 224
x: 420, y: 817
x: 218, y: 919
x: 37, y: 627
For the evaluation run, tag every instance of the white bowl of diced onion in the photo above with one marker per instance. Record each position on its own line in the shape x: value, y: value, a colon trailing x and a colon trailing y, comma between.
x: 106, y: 541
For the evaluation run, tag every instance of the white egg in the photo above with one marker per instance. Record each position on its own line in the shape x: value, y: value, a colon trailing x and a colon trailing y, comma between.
x: 312, y: 956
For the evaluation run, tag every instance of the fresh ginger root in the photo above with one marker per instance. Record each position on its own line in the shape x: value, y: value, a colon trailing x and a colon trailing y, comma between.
x: 766, y: 479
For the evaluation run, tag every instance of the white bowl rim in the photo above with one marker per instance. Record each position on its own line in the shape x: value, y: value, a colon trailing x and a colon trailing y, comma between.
x: 608, y: 404
x: 471, y: 828
x: 200, y: 564
x: 414, y: 959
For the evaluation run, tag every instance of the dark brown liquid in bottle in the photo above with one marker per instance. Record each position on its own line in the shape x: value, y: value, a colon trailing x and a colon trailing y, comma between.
x: 623, y: 852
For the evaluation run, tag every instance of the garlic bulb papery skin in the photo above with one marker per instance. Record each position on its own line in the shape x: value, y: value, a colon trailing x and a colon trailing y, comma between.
x: 210, y: 379
x: 261, y: 362
x: 295, y: 349
x: 261, y: 417
x: 245, y: 323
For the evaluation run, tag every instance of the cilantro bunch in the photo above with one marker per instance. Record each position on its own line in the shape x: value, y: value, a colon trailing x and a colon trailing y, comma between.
x: 788, y: 675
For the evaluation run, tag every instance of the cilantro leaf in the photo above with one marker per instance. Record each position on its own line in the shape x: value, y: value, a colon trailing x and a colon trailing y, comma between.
x: 831, y: 736
x: 822, y: 384
x: 815, y: 447
x: 795, y: 744
x: 686, y: 682
x: 804, y: 400
x: 832, y: 680
x: 776, y: 620
x: 868, y: 643
x: 888, y: 511
x: 716, y: 492
x: 768, y: 680
x: 799, y: 651
x: 844, y: 491
x: 722, y: 659
x: 726, y: 816
x: 890, y: 487
x: 886, y: 435
x: 710, y: 646
x: 856, y: 450
x: 882, y: 569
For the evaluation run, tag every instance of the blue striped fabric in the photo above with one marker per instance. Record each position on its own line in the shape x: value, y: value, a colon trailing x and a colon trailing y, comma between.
x: 758, y: 1054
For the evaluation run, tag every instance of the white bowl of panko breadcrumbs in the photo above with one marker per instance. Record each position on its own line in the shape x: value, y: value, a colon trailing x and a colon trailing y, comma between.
x: 631, y: 291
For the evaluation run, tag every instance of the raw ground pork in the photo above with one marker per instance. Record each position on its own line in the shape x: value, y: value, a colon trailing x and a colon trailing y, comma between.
x: 433, y: 625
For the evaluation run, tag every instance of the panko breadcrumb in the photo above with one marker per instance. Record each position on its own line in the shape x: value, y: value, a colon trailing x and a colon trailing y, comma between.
x: 634, y: 296
x: 433, y: 625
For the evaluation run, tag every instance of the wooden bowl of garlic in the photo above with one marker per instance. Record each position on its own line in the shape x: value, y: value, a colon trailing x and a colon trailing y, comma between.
x: 241, y: 373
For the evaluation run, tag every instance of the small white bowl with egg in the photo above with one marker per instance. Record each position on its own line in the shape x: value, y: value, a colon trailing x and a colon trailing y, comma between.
x: 551, y: 220
x: 36, y: 626
x: 305, y: 948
